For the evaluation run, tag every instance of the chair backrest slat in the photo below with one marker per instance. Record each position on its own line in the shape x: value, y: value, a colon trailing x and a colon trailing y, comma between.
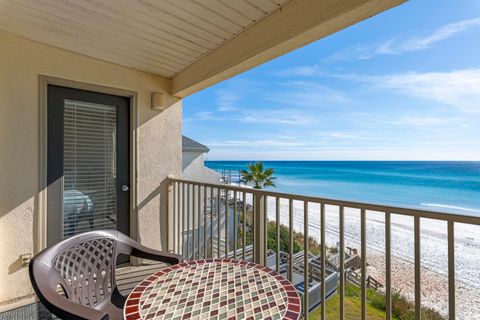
x: 86, y: 269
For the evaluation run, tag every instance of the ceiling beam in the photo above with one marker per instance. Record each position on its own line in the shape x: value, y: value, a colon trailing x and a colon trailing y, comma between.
x: 294, y: 25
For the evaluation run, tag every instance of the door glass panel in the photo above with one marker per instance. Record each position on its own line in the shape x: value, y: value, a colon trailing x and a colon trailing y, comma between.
x: 89, y: 181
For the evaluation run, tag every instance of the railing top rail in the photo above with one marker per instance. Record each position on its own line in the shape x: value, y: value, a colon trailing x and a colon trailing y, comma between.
x: 453, y: 217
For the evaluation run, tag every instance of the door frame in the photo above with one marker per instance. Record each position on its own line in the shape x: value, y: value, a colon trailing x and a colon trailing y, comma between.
x: 40, y: 221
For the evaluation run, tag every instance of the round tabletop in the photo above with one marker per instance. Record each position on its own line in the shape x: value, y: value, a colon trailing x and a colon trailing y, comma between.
x: 214, y: 289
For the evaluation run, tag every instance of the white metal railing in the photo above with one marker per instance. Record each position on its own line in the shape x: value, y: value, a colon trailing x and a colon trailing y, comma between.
x: 199, y: 216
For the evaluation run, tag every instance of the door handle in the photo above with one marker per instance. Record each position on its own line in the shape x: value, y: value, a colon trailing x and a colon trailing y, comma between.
x: 125, y: 188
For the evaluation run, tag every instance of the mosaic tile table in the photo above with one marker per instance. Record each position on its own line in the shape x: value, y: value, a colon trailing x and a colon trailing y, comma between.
x: 214, y: 289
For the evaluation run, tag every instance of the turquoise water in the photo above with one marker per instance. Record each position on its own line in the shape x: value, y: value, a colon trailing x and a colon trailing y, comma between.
x: 431, y: 185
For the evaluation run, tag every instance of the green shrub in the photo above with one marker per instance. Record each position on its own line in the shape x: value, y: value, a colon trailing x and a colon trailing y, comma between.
x: 333, y: 250
x: 376, y: 299
x: 284, y: 239
x: 352, y: 291
x: 402, y: 308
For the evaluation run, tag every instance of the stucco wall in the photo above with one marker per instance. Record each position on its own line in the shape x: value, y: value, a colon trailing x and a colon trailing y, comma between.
x: 194, y: 168
x: 158, y: 150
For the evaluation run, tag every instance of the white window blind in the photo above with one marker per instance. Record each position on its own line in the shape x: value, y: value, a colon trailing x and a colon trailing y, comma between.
x: 89, y: 182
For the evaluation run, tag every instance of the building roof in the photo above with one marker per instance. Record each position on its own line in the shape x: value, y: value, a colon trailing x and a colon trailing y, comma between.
x: 192, y: 145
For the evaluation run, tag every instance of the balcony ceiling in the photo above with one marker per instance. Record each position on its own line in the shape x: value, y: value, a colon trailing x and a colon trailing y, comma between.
x: 161, y: 37
x: 168, y: 37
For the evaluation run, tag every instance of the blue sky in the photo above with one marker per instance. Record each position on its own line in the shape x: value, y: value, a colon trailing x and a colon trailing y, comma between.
x: 403, y: 85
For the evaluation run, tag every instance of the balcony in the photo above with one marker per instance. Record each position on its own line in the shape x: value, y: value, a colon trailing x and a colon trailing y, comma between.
x: 146, y: 56
x: 213, y: 220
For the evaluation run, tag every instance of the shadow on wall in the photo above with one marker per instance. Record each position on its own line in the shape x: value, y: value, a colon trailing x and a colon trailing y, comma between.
x: 162, y: 192
x: 189, y: 157
x: 14, y: 229
x: 16, y: 265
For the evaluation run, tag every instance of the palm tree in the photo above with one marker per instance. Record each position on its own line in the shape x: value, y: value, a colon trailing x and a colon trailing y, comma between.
x: 258, y: 175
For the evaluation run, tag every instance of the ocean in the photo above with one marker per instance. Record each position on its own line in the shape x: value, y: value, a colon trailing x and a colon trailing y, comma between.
x: 452, y: 186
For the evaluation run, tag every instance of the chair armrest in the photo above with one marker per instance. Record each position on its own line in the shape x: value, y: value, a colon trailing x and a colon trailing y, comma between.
x: 143, y: 252
x: 131, y: 247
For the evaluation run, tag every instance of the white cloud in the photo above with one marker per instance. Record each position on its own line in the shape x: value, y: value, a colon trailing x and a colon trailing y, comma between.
x: 357, y: 52
x: 276, y: 117
x: 203, y: 116
x: 460, y: 88
x: 261, y: 143
x: 226, y: 100
x: 341, y: 135
x: 303, y: 71
x: 398, y: 46
x: 258, y: 116
x: 307, y: 94
x: 443, y: 33
x: 413, y: 120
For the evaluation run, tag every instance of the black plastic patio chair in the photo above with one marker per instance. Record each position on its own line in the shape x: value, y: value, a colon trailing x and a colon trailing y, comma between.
x: 82, y: 267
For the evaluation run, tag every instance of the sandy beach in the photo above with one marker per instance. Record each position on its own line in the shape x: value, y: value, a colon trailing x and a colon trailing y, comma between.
x: 433, y: 253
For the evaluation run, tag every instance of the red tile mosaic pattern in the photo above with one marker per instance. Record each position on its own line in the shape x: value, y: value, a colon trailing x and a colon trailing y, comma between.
x: 214, y: 289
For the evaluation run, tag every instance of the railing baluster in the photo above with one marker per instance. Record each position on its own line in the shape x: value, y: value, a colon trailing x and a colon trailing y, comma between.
x: 178, y: 218
x: 342, y: 262
x: 235, y: 227
x: 174, y: 222
x: 388, y: 266
x: 254, y: 226
x: 226, y: 222
x: 183, y: 220
x: 265, y: 228
x: 188, y: 221
x: 244, y: 233
x: 194, y: 218
x: 418, y: 288
x: 363, y: 263
x: 277, y: 226
x: 323, y: 254
x: 212, y: 204
x: 204, y: 222
x: 199, y: 220
x: 219, y: 211
x: 451, y: 270
x: 290, y: 239
x: 259, y: 228
x: 305, y: 260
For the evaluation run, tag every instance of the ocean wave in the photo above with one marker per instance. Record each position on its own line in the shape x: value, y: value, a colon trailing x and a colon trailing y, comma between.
x: 446, y: 206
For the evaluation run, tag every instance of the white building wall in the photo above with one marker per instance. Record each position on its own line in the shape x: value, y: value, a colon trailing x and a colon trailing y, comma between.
x: 193, y: 166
